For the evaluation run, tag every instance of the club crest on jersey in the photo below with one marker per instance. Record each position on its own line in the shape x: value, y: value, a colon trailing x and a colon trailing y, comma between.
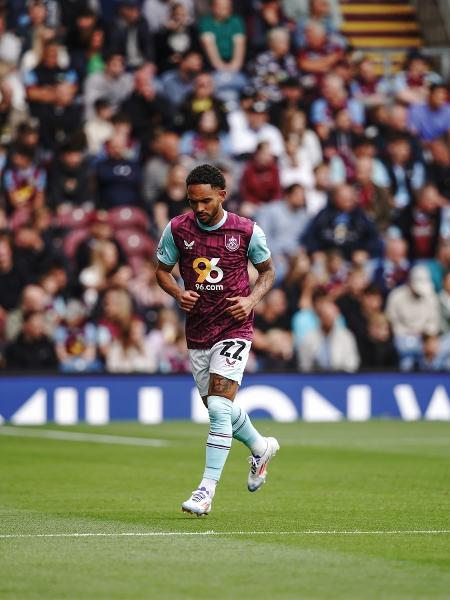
x: 232, y: 242
x: 189, y: 245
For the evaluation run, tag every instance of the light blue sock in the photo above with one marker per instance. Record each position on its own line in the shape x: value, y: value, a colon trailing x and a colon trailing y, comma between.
x: 245, y: 432
x: 220, y: 436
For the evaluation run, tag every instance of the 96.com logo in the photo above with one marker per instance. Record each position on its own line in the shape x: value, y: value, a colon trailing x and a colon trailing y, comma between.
x: 209, y: 272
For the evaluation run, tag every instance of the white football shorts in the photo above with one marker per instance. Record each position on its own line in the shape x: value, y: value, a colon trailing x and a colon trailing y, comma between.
x: 226, y: 358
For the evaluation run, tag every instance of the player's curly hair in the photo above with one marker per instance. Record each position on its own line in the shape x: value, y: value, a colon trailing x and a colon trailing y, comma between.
x: 204, y: 174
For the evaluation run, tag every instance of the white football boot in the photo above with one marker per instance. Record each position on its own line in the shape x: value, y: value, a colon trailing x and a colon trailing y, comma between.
x: 258, y: 465
x: 199, y: 503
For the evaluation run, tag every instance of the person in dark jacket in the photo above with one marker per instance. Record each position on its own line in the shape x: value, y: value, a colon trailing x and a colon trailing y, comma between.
x: 420, y: 223
x: 118, y: 177
x: 32, y: 349
x: 146, y: 108
x: 70, y: 181
x: 344, y: 225
x: 378, y: 351
x: 129, y: 34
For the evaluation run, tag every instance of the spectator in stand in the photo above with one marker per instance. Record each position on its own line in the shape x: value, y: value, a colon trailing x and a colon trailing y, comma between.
x: 79, y: 41
x: 206, y: 142
x: 431, y: 120
x: 24, y: 181
x: 299, y: 10
x: 100, y: 230
x: 331, y: 347
x: 334, y: 99
x: 31, y: 23
x: 266, y: 16
x: 33, y: 349
x: 146, y: 108
x: 284, y: 223
x: 129, y: 35
x: 394, y: 267
x: 373, y: 199
x: 260, y: 182
x: 250, y: 127
x: 43, y: 83
x: 158, y: 12
x: 438, y: 169
x: 358, y: 306
x: 113, y: 83
x: 32, y: 57
x: 344, y: 225
x: 435, y: 353
x: 70, y: 179
x: 317, y: 198
x: 116, y: 314
x: 444, y: 301
x: 275, y: 65
x: 10, y: 45
x: 118, y: 177
x: 147, y: 294
x: 367, y: 87
x: 402, y: 174
x: 291, y: 101
x: 273, y: 338
x: 166, y: 153
x: 420, y: 222
x: 76, y: 341
x: 13, y: 274
x: 295, y: 165
x: 178, y: 37
x: 33, y: 299
x: 378, y: 350
x: 130, y: 351
x: 412, y: 85
x: 178, y: 83
x: 201, y: 99
x: 413, y: 311
x: 394, y: 121
x: 98, y: 129
x: 222, y: 35
x: 294, y: 122
x: 322, y: 12
x: 172, y: 201
x: 318, y: 55
x: 64, y: 118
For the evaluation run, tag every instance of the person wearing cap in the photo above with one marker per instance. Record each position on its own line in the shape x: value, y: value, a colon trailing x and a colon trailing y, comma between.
x: 129, y: 35
x: 249, y: 128
x: 413, y: 311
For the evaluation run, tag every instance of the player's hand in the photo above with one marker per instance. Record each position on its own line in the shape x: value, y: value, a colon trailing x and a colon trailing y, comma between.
x: 187, y: 299
x: 240, y: 308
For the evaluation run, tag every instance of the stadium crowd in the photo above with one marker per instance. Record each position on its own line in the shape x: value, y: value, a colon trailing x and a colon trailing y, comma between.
x: 104, y: 108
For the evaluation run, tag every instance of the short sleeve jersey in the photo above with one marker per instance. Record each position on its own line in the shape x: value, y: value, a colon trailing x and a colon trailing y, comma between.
x: 213, y: 262
x: 223, y: 32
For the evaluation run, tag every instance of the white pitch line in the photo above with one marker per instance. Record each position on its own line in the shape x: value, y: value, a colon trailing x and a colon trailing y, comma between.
x: 225, y: 533
x: 75, y: 436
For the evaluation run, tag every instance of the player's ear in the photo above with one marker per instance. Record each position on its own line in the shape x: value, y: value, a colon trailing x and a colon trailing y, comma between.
x: 222, y: 194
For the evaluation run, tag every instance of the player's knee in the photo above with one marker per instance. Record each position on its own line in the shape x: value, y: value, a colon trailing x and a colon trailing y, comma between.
x: 219, y: 409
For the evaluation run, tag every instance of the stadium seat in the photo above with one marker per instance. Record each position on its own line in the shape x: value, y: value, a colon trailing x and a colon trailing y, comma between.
x: 135, y: 243
x: 126, y: 217
x: 76, y: 218
x: 19, y: 218
x: 73, y: 240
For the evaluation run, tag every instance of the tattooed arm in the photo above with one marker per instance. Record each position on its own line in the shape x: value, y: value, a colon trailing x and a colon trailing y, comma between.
x: 241, y: 307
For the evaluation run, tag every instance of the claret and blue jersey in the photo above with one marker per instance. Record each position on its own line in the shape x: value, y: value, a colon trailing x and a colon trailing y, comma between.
x: 213, y: 262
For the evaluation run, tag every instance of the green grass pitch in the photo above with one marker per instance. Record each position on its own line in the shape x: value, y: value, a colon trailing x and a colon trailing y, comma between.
x: 350, y: 510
